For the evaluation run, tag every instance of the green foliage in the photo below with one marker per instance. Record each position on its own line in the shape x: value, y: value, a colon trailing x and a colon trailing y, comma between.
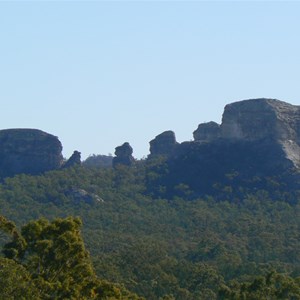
x: 271, y: 286
x: 176, y: 248
x: 15, y: 282
x: 53, y: 264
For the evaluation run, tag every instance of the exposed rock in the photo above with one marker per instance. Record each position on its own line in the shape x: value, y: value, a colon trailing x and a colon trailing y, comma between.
x: 28, y: 151
x: 163, y: 144
x: 260, y: 119
x: 74, y: 160
x: 207, y: 132
x: 123, y: 155
x: 81, y: 195
x: 258, y: 140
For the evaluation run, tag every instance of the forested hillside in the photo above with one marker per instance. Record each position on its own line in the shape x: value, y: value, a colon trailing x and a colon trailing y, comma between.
x: 235, y: 246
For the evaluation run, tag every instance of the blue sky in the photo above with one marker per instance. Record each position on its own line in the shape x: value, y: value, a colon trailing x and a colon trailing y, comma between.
x: 98, y: 74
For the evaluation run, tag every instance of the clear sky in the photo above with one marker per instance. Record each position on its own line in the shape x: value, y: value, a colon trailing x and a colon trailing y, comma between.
x: 98, y: 74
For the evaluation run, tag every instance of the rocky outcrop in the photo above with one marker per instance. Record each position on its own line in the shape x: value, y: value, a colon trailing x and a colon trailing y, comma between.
x: 28, y: 151
x: 79, y: 196
x: 123, y: 155
x: 264, y: 119
x: 256, y: 145
x: 74, y: 160
x: 207, y: 132
x: 163, y: 144
x: 257, y: 120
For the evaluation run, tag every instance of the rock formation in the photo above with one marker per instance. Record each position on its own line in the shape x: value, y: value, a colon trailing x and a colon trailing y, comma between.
x: 123, y: 155
x: 207, y: 132
x: 80, y: 195
x: 264, y: 119
x: 74, y: 160
x: 28, y: 151
x: 258, y: 139
x: 163, y: 144
x: 258, y: 120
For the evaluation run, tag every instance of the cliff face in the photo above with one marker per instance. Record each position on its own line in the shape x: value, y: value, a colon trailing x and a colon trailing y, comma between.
x: 207, y: 132
x: 257, y: 120
x: 264, y: 119
x: 163, y: 144
x: 261, y: 118
x: 257, y: 138
x: 28, y: 151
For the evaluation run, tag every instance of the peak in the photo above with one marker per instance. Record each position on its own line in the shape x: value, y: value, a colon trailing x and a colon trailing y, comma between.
x: 260, y: 102
x: 163, y: 144
x: 23, y: 132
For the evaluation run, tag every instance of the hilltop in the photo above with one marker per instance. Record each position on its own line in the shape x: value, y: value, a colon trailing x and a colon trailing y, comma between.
x: 256, y: 146
x: 212, y: 218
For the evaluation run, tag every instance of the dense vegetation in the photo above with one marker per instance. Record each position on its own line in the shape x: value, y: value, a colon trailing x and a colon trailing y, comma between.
x: 235, y: 246
x: 49, y: 261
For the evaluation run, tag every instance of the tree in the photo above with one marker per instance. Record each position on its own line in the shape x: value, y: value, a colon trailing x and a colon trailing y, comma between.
x: 271, y: 286
x: 52, y: 257
x: 15, y: 282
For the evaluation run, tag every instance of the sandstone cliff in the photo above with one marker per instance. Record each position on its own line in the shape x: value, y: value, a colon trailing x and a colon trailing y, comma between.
x: 207, y: 132
x: 163, y: 144
x: 258, y: 139
x: 28, y: 151
x: 261, y: 119
x: 258, y: 120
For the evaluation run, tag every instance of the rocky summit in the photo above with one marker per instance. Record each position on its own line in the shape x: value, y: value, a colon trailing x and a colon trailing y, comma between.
x: 258, y: 138
x: 28, y: 151
x: 264, y: 119
x: 163, y: 144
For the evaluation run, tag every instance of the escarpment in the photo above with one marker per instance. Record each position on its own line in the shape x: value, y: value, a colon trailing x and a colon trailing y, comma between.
x: 28, y: 151
x: 258, y: 138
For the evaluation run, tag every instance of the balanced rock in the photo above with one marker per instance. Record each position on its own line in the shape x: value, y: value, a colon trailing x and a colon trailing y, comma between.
x: 28, y: 151
x: 123, y: 155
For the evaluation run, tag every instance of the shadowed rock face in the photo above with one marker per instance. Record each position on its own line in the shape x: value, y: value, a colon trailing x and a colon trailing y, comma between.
x: 258, y: 138
x: 163, y: 144
x: 74, y: 160
x: 123, y: 155
x: 207, y: 132
x: 257, y: 120
x: 28, y: 151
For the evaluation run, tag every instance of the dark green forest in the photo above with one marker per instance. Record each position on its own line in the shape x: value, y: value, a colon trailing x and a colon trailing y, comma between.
x: 127, y: 240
